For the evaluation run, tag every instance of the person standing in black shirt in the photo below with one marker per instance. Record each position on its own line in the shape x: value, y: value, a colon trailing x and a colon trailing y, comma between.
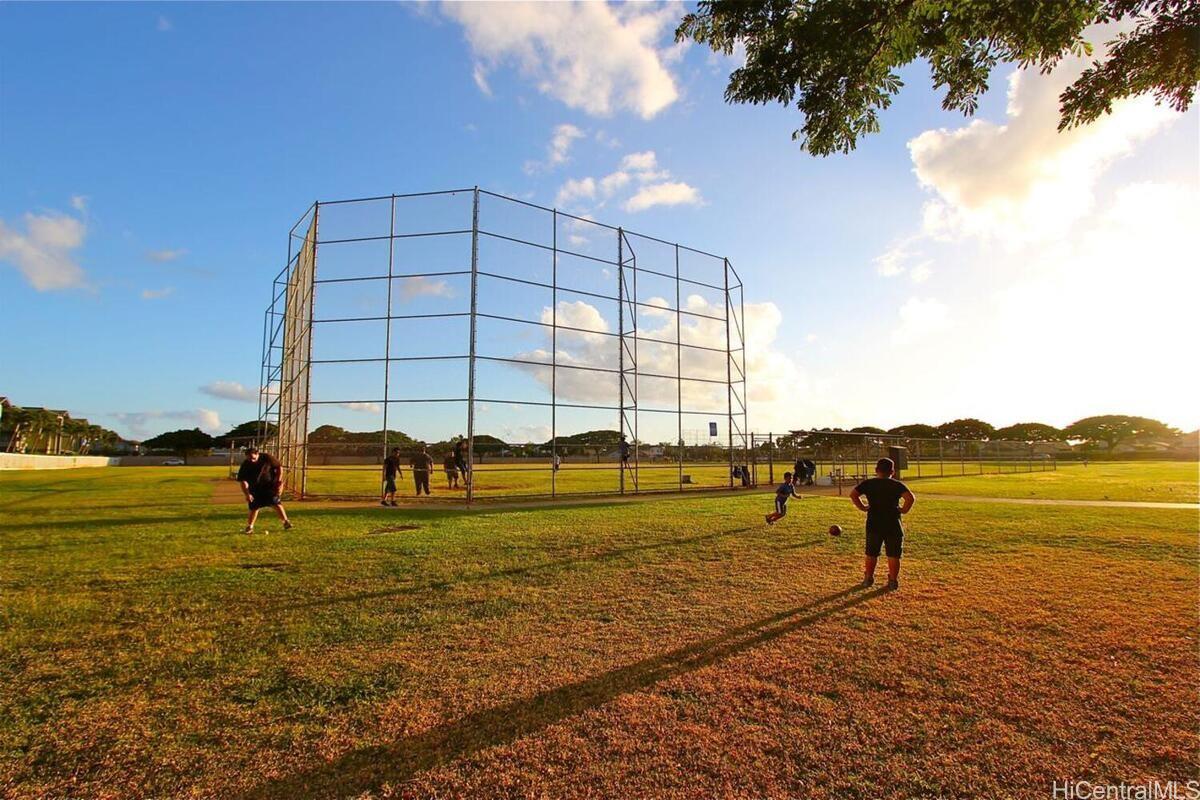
x: 422, y: 464
x: 261, y: 479
x: 887, y: 500
x: 391, y: 469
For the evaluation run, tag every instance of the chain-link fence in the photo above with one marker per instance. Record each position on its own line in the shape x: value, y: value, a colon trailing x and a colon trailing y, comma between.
x: 530, y: 351
x: 836, y: 458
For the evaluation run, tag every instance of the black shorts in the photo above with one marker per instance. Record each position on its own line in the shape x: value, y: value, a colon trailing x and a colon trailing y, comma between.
x: 389, y: 485
x: 780, y: 505
x: 888, y: 537
x: 258, y: 501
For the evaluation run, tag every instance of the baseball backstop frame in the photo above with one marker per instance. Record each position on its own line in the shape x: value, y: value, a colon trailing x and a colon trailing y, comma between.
x: 696, y: 295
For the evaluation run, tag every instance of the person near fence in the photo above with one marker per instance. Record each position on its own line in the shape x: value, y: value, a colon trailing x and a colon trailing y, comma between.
x: 261, y: 479
x: 804, y: 470
x: 451, y: 468
x: 887, y: 501
x: 422, y: 465
x: 391, y: 470
x: 786, y: 490
x: 460, y: 459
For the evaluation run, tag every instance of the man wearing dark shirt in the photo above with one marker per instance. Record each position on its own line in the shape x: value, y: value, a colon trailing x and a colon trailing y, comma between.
x: 422, y: 464
x: 887, y: 500
x: 460, y: 459
x: 391, y: 468
x: 451, y: 468
x: 261, y: 479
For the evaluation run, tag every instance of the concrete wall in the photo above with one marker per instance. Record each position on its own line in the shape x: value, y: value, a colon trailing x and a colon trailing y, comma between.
x: 193, y: 461
x: 24, y: 461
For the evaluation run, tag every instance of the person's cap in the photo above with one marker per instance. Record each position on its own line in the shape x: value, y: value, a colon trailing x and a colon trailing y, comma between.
x: 885, y: 465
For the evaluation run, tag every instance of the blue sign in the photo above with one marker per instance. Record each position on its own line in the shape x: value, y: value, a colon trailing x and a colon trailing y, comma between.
x: 712, y: 429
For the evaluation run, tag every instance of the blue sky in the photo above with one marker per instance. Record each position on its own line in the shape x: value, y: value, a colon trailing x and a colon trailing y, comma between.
x: 153, y: 158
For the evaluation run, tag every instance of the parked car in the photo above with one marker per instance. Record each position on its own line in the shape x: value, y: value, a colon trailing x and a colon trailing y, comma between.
x: 173, y: 462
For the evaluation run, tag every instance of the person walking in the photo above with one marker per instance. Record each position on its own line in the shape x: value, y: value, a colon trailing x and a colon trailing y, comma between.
x: 422, y: 465
x: 391, y: 470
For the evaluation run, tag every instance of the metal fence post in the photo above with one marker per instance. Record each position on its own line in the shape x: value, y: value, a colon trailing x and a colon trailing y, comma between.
x: 471, y: 354
x: 387, y: 328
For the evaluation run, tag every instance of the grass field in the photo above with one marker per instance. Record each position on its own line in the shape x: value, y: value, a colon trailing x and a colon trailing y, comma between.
x: 678, y: 648
x: 1153, y: 481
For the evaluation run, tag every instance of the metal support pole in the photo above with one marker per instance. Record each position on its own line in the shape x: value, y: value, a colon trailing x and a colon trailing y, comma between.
x: 728, y: 377
x: 387, y: 328
x: 554, y: 358
x: 471, y: 356
x: 679, y: 367
x: 312, y: 292
x: 941, y: 460
x: 771, y: 458
x: 745, y: 396
x: 621, y: 356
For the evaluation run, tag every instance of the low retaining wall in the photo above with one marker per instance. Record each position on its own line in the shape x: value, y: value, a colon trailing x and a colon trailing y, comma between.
x: 193, y: 461
x: 29, y: 461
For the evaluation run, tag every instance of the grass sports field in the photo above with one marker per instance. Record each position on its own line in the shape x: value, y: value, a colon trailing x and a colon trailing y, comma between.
x: 673, y: 648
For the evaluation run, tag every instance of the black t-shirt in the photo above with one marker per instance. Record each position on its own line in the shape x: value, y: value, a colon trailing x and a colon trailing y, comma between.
x: 421, y: 462
x: 391, y: 465
x: 261, y: 475
x: 883, y: 498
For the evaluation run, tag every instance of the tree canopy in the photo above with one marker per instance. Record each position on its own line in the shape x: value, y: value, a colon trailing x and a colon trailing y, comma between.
x: 838, y: 60
x: 1029, y: 432
x: 915, y: 431
x: 182, y: 441
x: 968, y: 428
x: 1113, y: 429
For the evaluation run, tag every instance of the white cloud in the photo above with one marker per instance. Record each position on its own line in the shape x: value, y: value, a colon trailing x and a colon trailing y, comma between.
x: 230, y: 390
x: 891, y: 263
x: 595, y: 57
x: 44, y: 254
x: 773, y: 378
x: 574, y: 190
x: 364, y: 408
x: 157, y: 294
x: 164, y: 256
x: 920, y: 318
x: 479, y: 75
x: 558, y: 150
x: 1022, y: 180
x: 79, y: 202
x: 663, y: 194
x: 921, y: 272
x: 640, y: 162
x: 149, y: 423
x: 613, y: 182
x: 412, y: 288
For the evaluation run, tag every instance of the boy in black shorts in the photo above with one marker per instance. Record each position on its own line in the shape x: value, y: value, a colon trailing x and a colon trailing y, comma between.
x: 391, y: 469
x: 887, y: 500
x: 786, y: 489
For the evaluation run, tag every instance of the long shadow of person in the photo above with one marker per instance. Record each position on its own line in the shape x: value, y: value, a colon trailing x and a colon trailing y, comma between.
x: 369, y: 767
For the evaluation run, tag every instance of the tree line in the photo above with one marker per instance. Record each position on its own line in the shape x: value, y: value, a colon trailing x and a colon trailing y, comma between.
x: 1109, y: 430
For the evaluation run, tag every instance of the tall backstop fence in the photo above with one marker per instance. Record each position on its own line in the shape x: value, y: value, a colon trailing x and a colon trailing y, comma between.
x: 567, y: 356
x: 839, y: 457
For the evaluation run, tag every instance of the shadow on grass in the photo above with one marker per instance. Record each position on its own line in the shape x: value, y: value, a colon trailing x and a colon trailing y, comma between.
x: 362, y: 770
x: 512, y: 572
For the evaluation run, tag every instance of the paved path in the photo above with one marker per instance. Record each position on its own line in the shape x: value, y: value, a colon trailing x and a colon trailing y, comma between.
x: 1047, y: 501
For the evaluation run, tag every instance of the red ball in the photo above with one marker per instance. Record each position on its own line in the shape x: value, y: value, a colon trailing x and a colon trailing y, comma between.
x: 835, y: 530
